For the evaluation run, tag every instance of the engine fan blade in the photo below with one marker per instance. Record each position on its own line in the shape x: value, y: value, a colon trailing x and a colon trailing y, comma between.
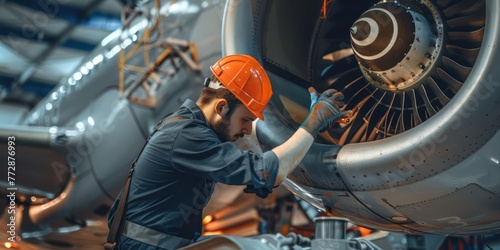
x: 445, y: 3
x: 467, y: 23
x: 401, y: 121
x: 337, y: 81
x: 358, y: 125
x: 458, y: 71
x: 471, y: 39
x: 374, y: 119
x: 453, y: 83
x: 388, y: 121
x: 382, y: 127
x: 463, y: 8
x: 355, y: 92
x: 464, y: 56
x: 387, y: 132
x: 428, y: 105
x: 443, y: 99
x: 359, y: 134
x: 339, y: 55
x: 416, y: 116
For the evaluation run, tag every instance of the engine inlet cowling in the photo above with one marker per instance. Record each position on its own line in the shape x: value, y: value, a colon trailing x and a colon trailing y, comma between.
x: 395, y: 44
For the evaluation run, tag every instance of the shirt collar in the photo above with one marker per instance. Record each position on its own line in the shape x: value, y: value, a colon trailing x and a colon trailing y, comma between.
x: 195, y: 110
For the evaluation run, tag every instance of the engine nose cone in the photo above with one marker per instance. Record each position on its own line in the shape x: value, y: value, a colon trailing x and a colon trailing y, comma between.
x: 395, y: 44
x: 362, y: 29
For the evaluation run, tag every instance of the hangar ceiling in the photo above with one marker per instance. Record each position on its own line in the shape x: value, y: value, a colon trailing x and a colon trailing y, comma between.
x: 43, y: 41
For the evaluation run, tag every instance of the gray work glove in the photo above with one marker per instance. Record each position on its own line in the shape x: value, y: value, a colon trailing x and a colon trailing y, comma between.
x: 324, y: 111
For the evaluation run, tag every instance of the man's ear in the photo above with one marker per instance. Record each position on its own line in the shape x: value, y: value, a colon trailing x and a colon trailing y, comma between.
x: 222, y: 108
x: 225, y: 111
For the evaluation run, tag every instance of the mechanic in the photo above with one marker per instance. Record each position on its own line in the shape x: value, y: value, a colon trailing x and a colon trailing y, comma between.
x: 174, y: 175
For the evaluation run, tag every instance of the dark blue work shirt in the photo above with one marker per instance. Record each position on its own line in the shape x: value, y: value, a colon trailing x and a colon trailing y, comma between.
x: 175, y: 174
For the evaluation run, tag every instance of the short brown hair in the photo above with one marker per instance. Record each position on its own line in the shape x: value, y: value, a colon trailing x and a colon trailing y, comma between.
x: 208, y: 94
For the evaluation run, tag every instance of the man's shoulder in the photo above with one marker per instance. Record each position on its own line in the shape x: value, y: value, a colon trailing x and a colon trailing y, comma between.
x: 182, y: 124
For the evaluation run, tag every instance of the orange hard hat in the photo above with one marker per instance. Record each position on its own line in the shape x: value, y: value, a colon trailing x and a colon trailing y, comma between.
x: 246, y: 79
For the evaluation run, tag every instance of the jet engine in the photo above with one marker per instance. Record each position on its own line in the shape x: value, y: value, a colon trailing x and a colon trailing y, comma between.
x: 420, y: 153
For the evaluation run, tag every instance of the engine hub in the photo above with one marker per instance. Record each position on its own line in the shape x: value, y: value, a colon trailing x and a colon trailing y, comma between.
x: 396, y: 43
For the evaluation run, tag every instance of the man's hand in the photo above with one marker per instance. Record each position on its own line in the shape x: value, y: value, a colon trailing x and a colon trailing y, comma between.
x: 324, y: 111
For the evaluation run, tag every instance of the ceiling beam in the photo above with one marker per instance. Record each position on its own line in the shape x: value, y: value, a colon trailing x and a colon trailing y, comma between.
x: 41, y: 88
x: 129, y: 3
x: 60, y: 39
x: 14, y: 34
x: 73, y: 15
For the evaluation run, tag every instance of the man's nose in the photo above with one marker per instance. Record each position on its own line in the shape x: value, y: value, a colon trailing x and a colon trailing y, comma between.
x: 247, y: 129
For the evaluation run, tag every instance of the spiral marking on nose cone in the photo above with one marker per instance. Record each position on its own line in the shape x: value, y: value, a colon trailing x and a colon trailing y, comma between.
x: 372, y: 36
x: 391, y: 42
x: 398, y: 60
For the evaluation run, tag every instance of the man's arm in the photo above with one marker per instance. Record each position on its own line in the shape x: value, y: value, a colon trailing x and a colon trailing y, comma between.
x: 291, y: 152
x: 323, y: 112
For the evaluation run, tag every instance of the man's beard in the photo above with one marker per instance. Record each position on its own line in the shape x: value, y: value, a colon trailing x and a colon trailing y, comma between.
x: 221, y: 129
